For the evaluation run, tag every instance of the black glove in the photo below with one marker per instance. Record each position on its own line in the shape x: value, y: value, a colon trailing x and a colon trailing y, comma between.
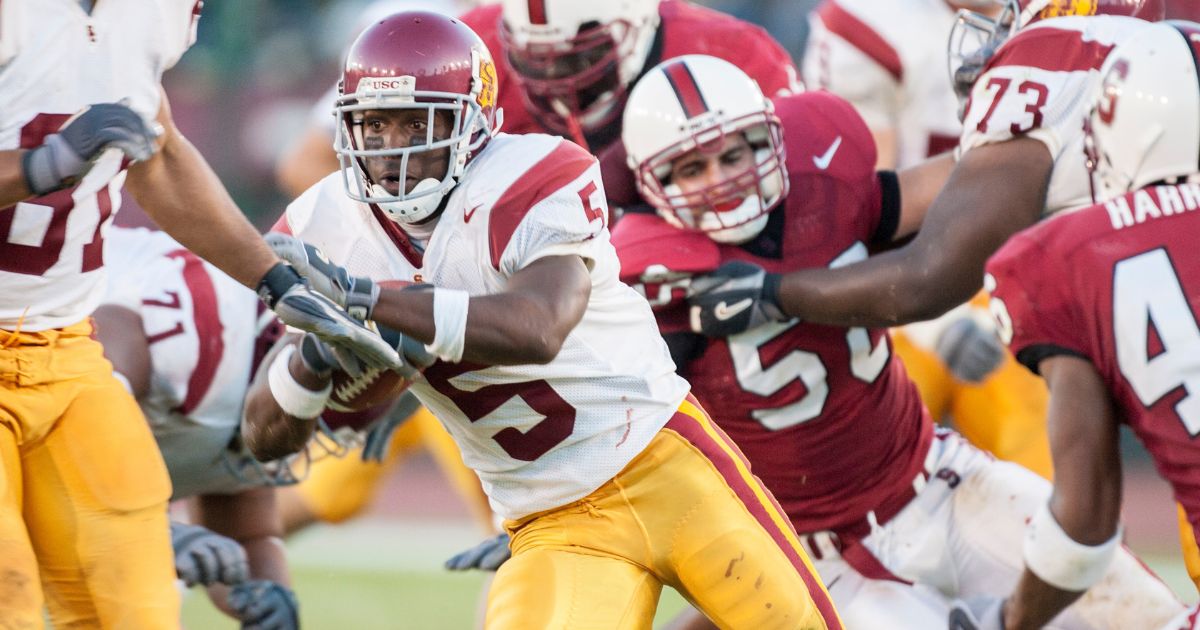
x: 970, y: 351
x: 265, y: 605
x: 206, y: 557
x: 734, y: 298
x: 486, y: 556
x: 66, y: 156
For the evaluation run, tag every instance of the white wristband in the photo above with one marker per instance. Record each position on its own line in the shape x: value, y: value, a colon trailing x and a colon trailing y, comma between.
x: 295, y: 399
x: 1059, y: 560
x: 450, y: 324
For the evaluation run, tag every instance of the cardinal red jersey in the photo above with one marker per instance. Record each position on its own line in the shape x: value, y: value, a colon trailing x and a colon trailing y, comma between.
x: 685, y: 29
x: 827, y: 417
x: 1118, y: 284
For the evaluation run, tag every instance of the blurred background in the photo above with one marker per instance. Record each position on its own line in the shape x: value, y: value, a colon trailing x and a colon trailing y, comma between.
x: 243, y: 94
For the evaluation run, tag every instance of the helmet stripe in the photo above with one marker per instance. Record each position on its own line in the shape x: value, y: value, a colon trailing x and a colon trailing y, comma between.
x: 685, y: 87
x: 537, y: 11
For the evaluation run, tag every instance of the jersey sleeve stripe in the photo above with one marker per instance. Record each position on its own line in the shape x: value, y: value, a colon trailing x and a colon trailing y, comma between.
x: 561, y: 166
x: 209, y: 331
x: 694, y: 426
x: 281, y: 226
x: 842, y: 23
x: 1052, y: 50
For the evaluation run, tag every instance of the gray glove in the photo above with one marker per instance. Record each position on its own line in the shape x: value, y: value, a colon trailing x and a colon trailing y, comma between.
x: 379, y: 434
x: 970, y: 351
x: 980, y: 613
x: 300, y: 307
x: 734, y: 298
x: 355, y: 294
x: 486, y: 556
x: 65, y: 157
x: 205, y: 557
x: 265, y: 605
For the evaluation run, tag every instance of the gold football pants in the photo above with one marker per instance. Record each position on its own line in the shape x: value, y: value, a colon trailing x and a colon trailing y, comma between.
x: 686, y: 512
x: 83, y: 491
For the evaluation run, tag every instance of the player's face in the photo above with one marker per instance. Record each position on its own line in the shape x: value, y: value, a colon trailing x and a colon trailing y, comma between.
x: 400, y: 128
x: 726, y: 160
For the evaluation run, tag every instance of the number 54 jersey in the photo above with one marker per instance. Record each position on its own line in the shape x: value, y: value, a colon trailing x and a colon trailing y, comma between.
x: 538, y: 436
x: 1118, y: 284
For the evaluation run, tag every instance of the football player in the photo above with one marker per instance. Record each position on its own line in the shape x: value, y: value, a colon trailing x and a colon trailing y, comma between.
x: 882, y: 58
x: 829, y: 421
x: 82, y: 488
x: 1102, y: 303
x: 551, y: 376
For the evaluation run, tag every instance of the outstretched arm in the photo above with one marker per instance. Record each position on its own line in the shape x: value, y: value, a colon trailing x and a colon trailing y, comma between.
x: 994, y: 191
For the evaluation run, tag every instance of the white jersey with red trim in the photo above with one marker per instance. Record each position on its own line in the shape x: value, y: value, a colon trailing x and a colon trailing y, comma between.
x: 539, y: 436
x: 56, y: 59
x: 201, y: 326
x: 889, y: 60
x: 1039, y: 84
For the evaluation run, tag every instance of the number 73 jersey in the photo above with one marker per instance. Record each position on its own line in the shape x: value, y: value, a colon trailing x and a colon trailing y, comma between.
x: 1118, y: 284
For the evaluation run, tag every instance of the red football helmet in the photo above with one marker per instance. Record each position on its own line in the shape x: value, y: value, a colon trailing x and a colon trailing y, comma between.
x: 415, y: 60
x: 975, y: 37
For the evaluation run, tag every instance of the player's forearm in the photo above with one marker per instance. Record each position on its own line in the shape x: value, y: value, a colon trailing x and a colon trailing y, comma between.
x: 185, y: 198
x: 270, y: 432
x: 12, y: 178
x: 1035, y: 603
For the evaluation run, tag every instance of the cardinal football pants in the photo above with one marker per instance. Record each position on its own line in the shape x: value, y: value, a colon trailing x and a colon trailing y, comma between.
x: 686, y: 512
x: 83, y: 491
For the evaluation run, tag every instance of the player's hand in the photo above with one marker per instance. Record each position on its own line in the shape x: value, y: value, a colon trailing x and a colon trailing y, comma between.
x: 265, y: 605
x: 66, y: 156
x: 321, y: 358
x: 355, y: 294
x: 379, y: 433
x: 981, y: 613
x: 969, y: 350
x: 300, y: 307
x: 734, y: 298
x: 205, y: 557
x: 486, y: 556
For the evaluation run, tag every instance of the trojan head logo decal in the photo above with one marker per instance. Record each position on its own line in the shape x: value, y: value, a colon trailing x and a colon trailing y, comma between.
x: 487, y: 79
x: 1061, y: 8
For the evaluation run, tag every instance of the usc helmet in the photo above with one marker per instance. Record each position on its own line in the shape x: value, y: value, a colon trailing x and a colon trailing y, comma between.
x: 975, y: 37
x: 415, y: 60
x: 577, y: 58
x: 1144, y: 122
x: 691, y: 103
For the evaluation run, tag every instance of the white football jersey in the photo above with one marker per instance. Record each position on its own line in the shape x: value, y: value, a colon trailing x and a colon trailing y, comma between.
x: 538, y: 436
x: 1040, y: 84
x: 889, y: 60
x: 56, y: 59
x: 202, y: 327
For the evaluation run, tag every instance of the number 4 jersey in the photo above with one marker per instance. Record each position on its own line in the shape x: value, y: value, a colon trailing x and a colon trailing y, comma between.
x: 539, y: 436
x: 826, y: 415
x: 1118, y: 284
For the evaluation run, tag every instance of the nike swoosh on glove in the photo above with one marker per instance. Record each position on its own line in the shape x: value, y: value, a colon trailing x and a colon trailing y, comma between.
x: 486, y: 556
x: 206, y: 557
x: 736, y: 297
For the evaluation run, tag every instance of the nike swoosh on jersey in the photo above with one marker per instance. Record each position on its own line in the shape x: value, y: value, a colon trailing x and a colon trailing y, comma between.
x: 467, y: 214
x: 822, y: 161
x: 725, y: 311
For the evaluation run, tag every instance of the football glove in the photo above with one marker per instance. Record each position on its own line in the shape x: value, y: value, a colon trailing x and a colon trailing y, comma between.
x: 205, y: 557
x: 379, y: 434
x: 355, y: 294
x: 486, y: 556
x: 734, y: 298
x: 265, y: 605
x: 969, y: 350
x: 300, y: 307
x: 979, y: 613
x: 66, y: 156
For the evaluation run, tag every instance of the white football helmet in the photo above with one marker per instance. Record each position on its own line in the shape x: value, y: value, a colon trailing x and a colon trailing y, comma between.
x: 1144, y: 122
x: 690, y: 103
x: 577, y: 58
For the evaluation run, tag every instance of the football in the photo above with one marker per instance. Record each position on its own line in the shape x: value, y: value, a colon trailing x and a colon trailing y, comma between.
x: 371, y: 388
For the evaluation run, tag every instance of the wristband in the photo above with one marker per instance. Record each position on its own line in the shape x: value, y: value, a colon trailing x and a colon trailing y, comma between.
x: 295, y: 399
x: 278, y: 279
x: 1059, y: 560
x: 450, y: 324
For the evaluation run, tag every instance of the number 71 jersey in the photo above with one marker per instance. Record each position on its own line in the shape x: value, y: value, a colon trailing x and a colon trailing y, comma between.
x: 1118, y: 284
